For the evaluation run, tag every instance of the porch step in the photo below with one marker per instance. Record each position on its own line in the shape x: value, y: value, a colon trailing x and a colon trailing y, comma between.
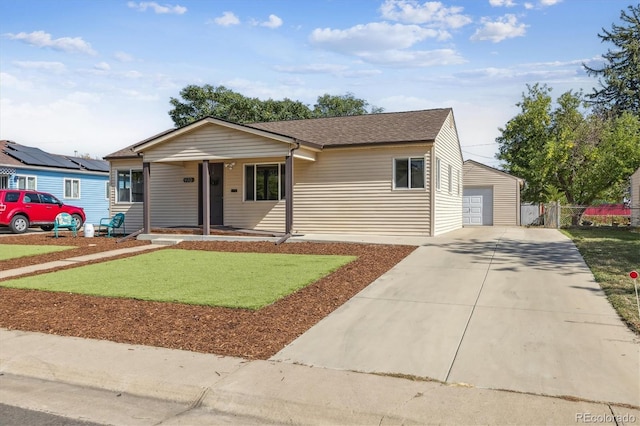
x: 166, y: 241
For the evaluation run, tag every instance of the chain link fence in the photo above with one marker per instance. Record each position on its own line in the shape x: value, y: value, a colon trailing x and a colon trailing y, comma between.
x: 555, y: 215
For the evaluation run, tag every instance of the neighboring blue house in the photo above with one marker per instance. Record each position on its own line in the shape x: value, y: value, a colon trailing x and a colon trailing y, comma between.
x: 77, y: 181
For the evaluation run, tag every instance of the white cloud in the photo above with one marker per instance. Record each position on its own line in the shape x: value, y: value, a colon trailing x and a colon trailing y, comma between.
x: 499, y: 30
x: 51, y: 67
x: 371, y: 37
x: 227, y: 19
x: 430, y: 12
x: 273, y: 22
x: 9, y: 81
x: 102, y: 66
x: 503, y: 3
x: 549, y: 2
x: 312, y: 69
x: 64, y: 44
x: 123, y: 57
x: 157, y: 8
x: 407, y: 58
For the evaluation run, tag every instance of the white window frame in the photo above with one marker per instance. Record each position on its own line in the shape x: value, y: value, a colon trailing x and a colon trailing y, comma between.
x: 438, y: 174
x: 409, y: 183
x: 64, y: 188
x: 27, y: 179
x: 450, y: 176
x: 4, y: 181
x: 130, y: 188
x: 281, y: 169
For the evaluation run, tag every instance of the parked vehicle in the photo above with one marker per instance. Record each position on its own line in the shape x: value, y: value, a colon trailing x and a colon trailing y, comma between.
x: 21, y: 209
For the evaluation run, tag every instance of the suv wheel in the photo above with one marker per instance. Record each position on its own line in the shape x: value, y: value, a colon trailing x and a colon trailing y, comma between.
x: 78, y: 220
x: 19, y: 224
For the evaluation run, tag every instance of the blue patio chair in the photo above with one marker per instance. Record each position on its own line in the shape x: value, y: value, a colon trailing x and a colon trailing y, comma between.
x: 64, y: 221
x: 109, y: 225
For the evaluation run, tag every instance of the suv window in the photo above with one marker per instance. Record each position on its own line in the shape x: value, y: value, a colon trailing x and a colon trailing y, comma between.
x: 11, y: 197
x: 31, y: 197
x: 49, y: 199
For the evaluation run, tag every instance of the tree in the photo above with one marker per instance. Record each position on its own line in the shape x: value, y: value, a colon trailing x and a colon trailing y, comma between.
x: 340, y: 106
x: 565, y: 150
x: 207, y: 100
x: 620, y: 76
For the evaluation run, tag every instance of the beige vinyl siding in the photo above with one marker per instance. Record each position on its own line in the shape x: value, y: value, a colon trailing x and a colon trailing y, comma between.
x: 174, y: 202
x: 132, y: 211
x: 215, y: 143
x: 448, y: 205
x: 506, y: 192
x: 260, y: 215
x: 635, y: 198
x: 350, y: 191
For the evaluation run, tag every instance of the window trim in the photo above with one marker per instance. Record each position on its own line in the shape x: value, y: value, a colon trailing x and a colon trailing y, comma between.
x: 64, y: 189
x: 281, y: 181
x: 450, y: 175
x: 26, y: 181
x: 458, y: 180
x: 117, y: 192
x: 4, y: 181
x: 438, y: 174
x: 409, y: 187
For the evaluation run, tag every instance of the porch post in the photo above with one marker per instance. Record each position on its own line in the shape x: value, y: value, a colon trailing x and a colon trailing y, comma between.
x: 288, y: 182
x: 206, y: 198
x: 146, y: 197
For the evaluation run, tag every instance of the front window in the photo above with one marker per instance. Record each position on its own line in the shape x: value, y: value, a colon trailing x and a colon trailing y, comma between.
x: 130, y: 186
x: 26, y: 182
x: 409, y: 172
x: 72, y: 188
x: 264, y: 182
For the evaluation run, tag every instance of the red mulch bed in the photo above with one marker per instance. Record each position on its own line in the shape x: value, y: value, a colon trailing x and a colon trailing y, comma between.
x: 223, y: 331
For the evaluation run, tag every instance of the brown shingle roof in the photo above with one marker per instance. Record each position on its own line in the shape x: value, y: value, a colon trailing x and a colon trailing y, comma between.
x: 7, y: 160
x: 395, y: 127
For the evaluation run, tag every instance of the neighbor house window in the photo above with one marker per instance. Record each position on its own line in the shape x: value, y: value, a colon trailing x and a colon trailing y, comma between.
x: 450, y: 177
x: 130, y: 186
x: 264, y: 182
x: 4, y: 182
x: 438, y: 174
x: 72, y: 188
x: 26, y: 182
x: 408, y: 172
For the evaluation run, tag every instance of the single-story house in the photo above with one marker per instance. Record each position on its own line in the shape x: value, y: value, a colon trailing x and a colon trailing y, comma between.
x: 73, y: 180
x: 384, y: 174
x: 490, y: 196
x: 635, y: 198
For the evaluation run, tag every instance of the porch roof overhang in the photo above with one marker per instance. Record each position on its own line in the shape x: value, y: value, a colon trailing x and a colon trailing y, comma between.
x: 164, y: 137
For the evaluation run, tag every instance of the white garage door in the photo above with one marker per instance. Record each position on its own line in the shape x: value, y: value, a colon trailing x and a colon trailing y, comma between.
x: 472, y: 210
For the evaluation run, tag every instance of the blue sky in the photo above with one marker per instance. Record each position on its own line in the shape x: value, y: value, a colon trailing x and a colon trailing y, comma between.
x: 95, y: 76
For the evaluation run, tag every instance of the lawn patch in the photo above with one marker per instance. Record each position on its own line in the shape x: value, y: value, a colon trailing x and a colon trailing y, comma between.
x: 611, y: 255
x: 234, y: 280
x: 13, y: 251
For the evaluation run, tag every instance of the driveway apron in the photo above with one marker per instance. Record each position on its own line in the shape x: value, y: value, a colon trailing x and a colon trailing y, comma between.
x: 501, y: 308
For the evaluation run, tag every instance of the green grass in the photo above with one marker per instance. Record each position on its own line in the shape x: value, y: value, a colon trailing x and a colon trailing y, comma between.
x: 12, y: 251
x: 611, y: 255
x: 235, y: 280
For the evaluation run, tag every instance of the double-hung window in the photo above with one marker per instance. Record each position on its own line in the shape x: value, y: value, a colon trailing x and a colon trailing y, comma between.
x: 408, y: 173
x: 264, y: 182
x: 130, y: 188
x: 72, y: 188
x: 26, y: 182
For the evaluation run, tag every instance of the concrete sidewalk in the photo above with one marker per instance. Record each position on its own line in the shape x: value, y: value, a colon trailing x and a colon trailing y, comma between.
x: 114, y: 383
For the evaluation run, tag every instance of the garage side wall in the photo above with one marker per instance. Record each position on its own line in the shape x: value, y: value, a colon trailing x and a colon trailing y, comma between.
x: 506, y: 192
x: 448, y: 198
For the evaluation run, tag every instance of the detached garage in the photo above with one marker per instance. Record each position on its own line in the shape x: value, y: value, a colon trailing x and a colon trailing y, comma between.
x: 490, y: 196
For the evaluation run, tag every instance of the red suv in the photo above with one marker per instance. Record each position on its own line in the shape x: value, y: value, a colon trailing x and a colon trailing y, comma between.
x: 20, y: 209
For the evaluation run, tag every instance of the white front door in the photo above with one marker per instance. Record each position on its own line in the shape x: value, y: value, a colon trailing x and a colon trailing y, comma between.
x: 472, y: 210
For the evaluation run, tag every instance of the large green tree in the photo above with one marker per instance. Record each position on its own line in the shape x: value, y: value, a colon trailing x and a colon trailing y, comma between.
x: 619, y: 77
x: 202, y: 101
x: 562, y: 150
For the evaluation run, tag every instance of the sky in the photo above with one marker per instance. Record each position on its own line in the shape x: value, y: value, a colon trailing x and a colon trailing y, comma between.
x: 92, y: 77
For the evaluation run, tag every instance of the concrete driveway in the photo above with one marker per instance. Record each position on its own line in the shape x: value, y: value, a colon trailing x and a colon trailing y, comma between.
x: 501, y: 308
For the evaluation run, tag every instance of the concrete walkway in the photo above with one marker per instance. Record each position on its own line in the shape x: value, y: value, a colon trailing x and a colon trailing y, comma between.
x: 499, y: 308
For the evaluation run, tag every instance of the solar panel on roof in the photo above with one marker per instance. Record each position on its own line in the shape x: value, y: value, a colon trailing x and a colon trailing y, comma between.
x: 89, y: 164
x: 37, y: 157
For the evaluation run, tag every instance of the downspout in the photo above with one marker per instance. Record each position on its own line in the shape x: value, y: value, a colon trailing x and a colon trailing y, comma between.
x: 288, y: 177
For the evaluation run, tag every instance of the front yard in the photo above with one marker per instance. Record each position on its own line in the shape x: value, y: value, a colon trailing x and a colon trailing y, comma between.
x: 611, y: 255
